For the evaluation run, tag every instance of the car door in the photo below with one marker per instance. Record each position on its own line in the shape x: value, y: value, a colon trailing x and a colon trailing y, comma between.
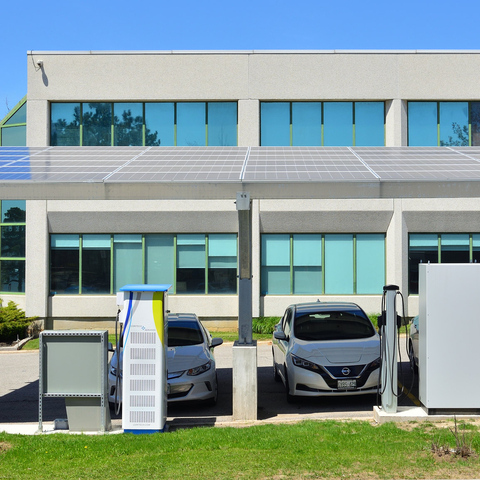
x: 286, y: 327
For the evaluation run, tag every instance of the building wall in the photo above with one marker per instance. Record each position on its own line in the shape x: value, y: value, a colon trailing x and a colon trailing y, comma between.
x: 396, y: 218
x: 249, y: 77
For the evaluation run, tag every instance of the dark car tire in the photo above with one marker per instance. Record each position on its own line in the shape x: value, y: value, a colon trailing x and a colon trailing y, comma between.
x: 211, y: 402
x: 290, y: 398
x: 411, y: 356
x: 276, y: 375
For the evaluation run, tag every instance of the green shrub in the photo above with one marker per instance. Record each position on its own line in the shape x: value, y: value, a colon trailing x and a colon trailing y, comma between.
x: 13, y: 323
x: 264, y: 324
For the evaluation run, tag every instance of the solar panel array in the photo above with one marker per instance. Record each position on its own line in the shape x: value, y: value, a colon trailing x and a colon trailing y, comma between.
x: 235, y: 164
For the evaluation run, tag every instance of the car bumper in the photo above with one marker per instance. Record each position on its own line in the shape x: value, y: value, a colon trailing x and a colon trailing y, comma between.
x: 305, y: 383
x: 184, y: 388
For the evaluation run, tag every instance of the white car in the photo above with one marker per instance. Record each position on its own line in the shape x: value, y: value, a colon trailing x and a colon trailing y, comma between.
x: 326, y: 349
x: 190, y: 362
x: 413, y: 344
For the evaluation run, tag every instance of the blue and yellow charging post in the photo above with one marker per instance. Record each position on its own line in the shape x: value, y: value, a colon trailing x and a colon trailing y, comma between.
x: 145, y: 340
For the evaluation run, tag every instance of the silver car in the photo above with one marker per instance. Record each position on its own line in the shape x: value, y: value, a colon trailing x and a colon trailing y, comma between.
x: 190, y: 362
x: 326, y: 349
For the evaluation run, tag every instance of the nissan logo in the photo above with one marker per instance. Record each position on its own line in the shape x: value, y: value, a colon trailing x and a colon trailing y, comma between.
x: 346, y: 371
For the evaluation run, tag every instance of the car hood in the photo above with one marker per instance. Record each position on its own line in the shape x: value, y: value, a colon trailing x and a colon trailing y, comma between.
x: 183, y: 358
x: 343, y: 352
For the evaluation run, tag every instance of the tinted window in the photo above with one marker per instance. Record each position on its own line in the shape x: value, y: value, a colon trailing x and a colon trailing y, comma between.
x: 183, y: 333
x: 335, y: 325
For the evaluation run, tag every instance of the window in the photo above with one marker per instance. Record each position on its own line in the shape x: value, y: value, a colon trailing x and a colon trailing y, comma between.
x: 445, y: 124
x: 309, y: 264
x: 440, y: 248
x: 13, y: 128
x: 322, y: 123
x: 138, y: 124
x: 12, y: 246
x: 102, y: 264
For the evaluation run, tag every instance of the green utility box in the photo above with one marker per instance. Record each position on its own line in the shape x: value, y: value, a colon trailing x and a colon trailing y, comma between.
x: 74, y: 365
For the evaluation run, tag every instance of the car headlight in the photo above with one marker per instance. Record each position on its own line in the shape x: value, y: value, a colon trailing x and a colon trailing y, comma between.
x: 375, y: 364
x: 302, y: 363
x: 201, y: 369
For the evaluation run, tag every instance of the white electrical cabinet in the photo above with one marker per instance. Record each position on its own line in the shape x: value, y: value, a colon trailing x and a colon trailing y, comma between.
x: 449, y: 337
x: 145, y: 339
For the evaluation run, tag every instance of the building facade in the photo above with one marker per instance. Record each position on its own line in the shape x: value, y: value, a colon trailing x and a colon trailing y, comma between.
x: 359, y: 165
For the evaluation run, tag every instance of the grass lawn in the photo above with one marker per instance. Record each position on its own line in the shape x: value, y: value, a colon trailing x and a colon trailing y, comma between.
x: 307, y: 450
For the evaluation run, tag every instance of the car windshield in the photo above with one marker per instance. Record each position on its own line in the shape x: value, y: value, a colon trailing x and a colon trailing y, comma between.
x: 183, y: 333
x: 335, y: 325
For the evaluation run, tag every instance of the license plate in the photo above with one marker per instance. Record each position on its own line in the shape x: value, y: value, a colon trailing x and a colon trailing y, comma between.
x: 346, y: 384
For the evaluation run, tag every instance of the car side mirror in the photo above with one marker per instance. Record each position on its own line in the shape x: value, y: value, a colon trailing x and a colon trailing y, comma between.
x: 216, y: 342
x: 279, y: 335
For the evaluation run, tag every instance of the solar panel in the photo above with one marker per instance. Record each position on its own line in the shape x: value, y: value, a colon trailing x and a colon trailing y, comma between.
x: 237, y: 164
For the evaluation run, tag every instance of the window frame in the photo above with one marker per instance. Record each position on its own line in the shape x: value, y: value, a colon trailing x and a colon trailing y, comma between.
x: 114, y: 126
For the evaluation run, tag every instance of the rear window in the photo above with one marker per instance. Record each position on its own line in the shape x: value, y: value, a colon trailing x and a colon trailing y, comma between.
x: 184, y: 333
x: 333, y: 326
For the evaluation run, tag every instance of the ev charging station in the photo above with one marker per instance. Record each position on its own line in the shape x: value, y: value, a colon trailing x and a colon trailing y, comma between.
x: 449, y: 336
x: 144, y: 394
x: 389, y: 371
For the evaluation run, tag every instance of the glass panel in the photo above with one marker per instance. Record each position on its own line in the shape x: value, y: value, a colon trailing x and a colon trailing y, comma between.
x: 455, y: 248
x: 20, y: 116
x: 222, y: 263
x: 276, y: 250
x: 191, y: 123
x: 370, y: 263
x: 127, y: 260
x: 13, y: 211
x: 338, y: 124
x: 476, y: 248
x: 13, y: 241
x: 422, y: 124
x: 159, y: 124
x: 190, y: 256
x: 14, y: 136
x: 222, y: 124
x: 97, y: 124
x: 307, y: 280
x: 475, y: 121
x: 12, y: 273
x: 453, y: 124
x: 64, y: 264
x: 222, y: 245
x: 307, y: 261
x: 369, y: 124
x: 307, y: 250
x: 96, y: 264
x: 159, y: 259
x: 191, y: 239
x: 190, y: 264
x: 306, y: 123
x: 275, y: 280
x: 275, y: 124
x: 423, y: 248
x: 128, y: 124
x: 339, y: 264
x: 65, y: 124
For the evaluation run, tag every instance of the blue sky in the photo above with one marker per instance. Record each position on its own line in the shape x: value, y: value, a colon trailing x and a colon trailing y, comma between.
x: 223, y: 25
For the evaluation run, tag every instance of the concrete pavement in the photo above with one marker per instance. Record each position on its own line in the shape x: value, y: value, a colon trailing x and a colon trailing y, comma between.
x: 19, y: 397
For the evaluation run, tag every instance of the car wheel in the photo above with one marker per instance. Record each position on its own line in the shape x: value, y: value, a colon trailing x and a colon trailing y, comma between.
x: 276, y: 375
x: 290, y: 398
x: 213, y: 401
x: 411, y: 356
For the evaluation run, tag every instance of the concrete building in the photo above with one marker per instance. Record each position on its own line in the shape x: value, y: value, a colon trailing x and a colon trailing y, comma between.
x: 359, y: 166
